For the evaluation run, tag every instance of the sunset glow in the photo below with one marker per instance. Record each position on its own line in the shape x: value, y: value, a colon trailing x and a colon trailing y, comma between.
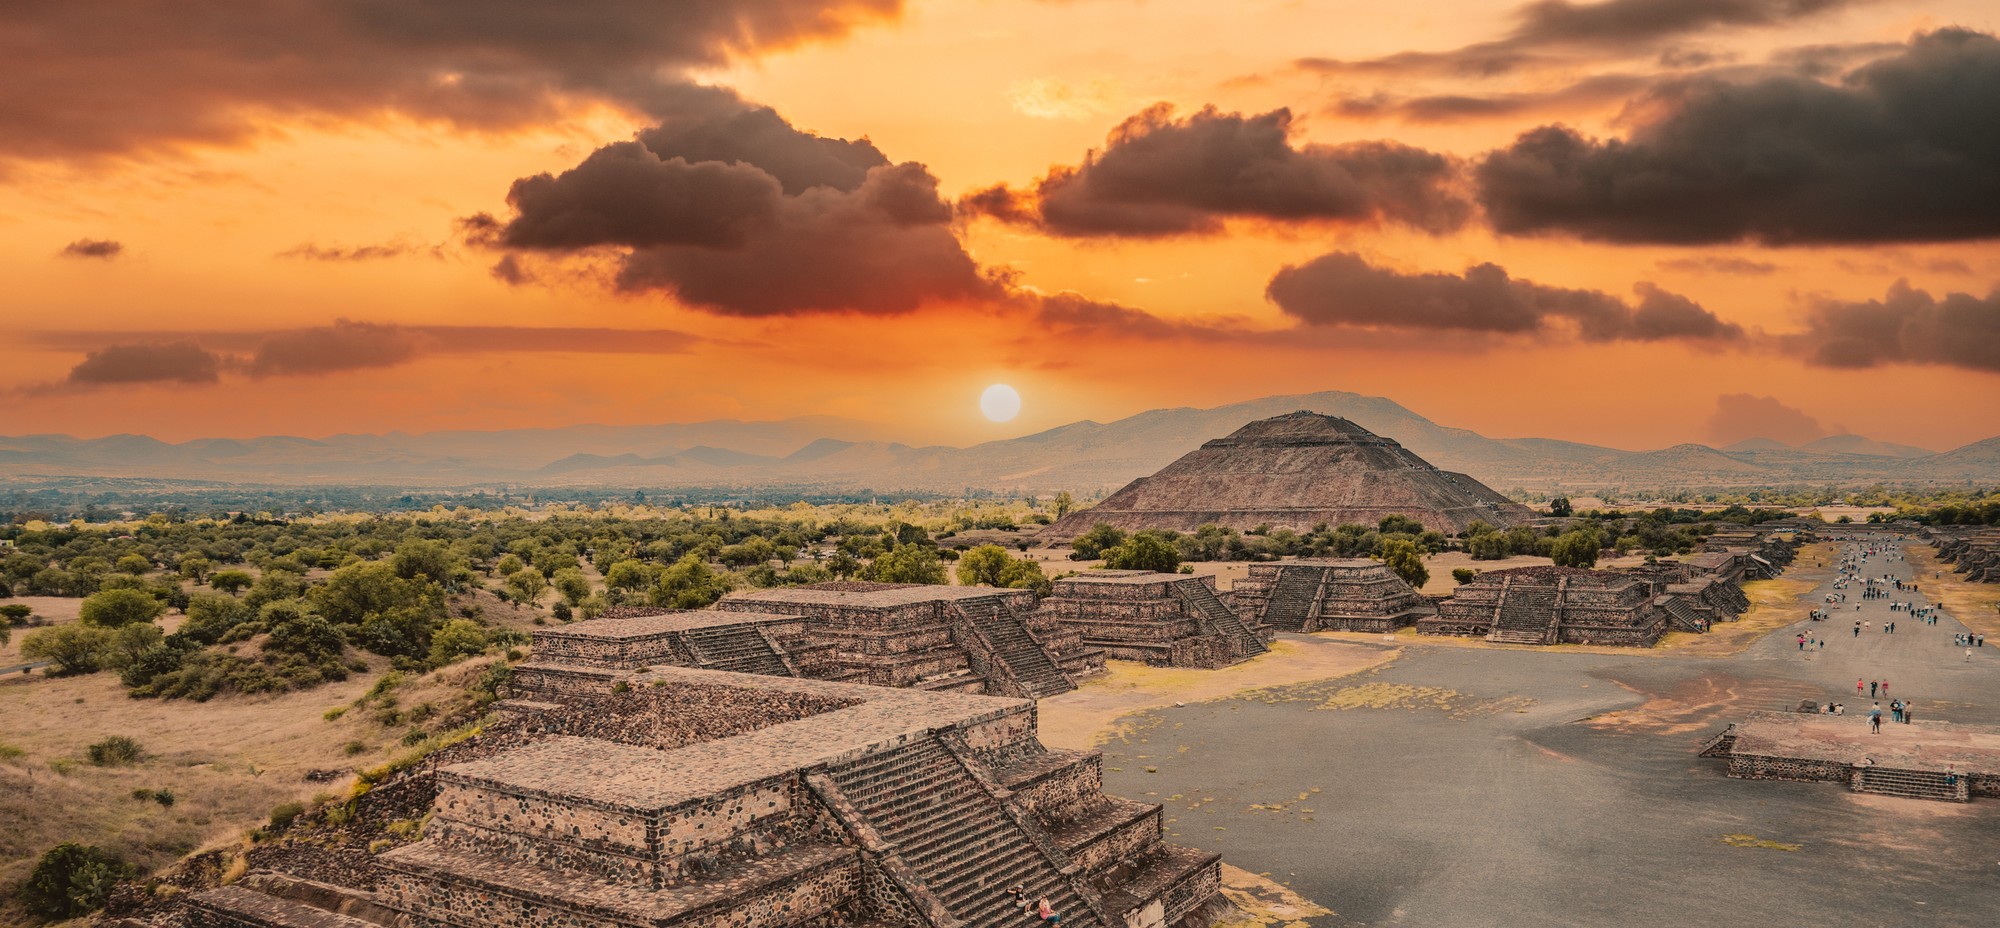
x: 749, y: 212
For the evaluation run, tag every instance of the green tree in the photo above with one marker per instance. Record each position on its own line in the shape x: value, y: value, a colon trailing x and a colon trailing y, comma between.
x: 209, y: 615
x: 231, y: 581
x: 306, y: 636
x: 1024, y: 574
x: 982, y: 566
x: 72, y: 880
x: 72, y: 648
x: 421, y: 557
x: 112, y: 608
x: 15, y: 613
x: 194, y: 567
x: 128, y: 642
x: 629, y: 575
x: 134, y: 564
x: 528, y: 585
x: 1576, y: 549
x: 1560, y: 507
x: 907, y: 563
x: 1063, y: 503
x: 1402, y: 557
x: 355, y: 592
x: 1399, y: 524
x: 689, y: 584
x: 456, y: 640
x: 571, y: 583
x: 1463, y: 575
x: 1143, y: 551
x: 1091, y: 544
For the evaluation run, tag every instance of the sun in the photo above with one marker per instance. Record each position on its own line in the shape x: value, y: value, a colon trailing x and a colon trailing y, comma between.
x: 1000, y: 403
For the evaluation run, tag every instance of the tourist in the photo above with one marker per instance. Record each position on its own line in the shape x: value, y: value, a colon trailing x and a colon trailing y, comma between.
x: 1895, y: 710
x: 1968, y: 655
x: 1950, y: 776
x: 1906, y: 713
x: 1857, y: 688
x: 1871, y: 689
x: 1875, y: 719
x: 1885, y: 687
x: 1046, y: 912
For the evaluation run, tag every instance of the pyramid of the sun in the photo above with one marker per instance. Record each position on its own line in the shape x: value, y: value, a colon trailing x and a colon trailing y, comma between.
x: 1295, y: 471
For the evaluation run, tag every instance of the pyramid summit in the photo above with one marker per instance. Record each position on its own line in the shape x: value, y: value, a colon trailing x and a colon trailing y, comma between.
x: 1295, y: 471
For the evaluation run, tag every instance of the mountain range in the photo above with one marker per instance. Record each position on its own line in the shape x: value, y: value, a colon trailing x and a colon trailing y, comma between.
x: 1085, y: 457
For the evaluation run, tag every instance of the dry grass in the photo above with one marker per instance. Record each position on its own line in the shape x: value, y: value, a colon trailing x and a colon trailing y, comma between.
x: 227, y: 762
x: 1975, y: 604
x: 1090, y: 714
x: 1774, y: 604
x: 1264, y: 903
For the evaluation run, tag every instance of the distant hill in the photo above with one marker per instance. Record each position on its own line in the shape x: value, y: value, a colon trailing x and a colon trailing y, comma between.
x: 832, y: 453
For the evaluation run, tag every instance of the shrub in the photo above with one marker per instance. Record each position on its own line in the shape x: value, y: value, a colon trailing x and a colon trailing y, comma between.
x: 1143, y: 552
x: 307, y: 637
x: 1463, y: 574
x: 72, y: 880
x: 115, y: 751
x: 285, y: 813
x: 458, y: 639
x: 112, y: 608
x: 354, y: 747
x: 72, y: 648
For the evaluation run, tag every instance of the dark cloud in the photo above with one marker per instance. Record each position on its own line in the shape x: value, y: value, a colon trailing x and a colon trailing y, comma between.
x: 1077, y: 313
x: 1558, y: 31
x: 1739, y: 416
x: 88, y: 77
x: 1908, y: 326
x: 1719, y: 264
x: 735, y: 211
x: 204, y: 357
x: 342, y: 346
x: 1342, y: 289
x: 102, y: 249
x: 340, y: 255
x: 1591, y: 91
x: 1159, y: 176
x: 147, y: 362
x: 1902, y: 149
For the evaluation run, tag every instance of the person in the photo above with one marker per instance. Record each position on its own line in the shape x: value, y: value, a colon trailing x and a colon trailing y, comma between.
x: 1885, y: 687
x: 1875, y: 719
x: 1950, y: 776
x: 1871, y: 689
x: 1968, y: 655
x: 1895, y: 710
x: 1906, y: 713
x: 1047, y: 913
x: 1857, y: 687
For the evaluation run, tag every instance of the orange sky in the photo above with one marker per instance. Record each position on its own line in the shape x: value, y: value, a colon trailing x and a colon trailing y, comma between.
x: 269, y: 204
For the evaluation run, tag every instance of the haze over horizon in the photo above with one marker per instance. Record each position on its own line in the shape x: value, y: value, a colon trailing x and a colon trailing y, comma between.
x: 1629, y: 223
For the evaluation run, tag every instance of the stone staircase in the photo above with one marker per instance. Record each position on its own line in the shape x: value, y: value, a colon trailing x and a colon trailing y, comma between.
x: 1685, y: 617
x: 1721, y: 745
x: 943, y: 824
x: 740, y: 648
x: 1911, y: 784
x: 1031, y: 667
x: 1293, y: 598
x: 1527, y: 616
x: 1202, y: 601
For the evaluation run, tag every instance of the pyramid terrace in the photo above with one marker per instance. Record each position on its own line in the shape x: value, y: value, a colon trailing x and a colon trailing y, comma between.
x: 688, y: 797
x: 1942, y: 761
x: 1163, y: 619
x: 1330, y: 594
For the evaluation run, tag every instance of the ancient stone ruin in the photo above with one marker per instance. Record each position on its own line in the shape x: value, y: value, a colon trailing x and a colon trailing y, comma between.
x: 1296, y: 471
x: 684, y: 797
x: 1139, y: 615
x: 966, y: 639
x: 1970, y: 550
x: 1941, y: 761
x: 1329, y: 594
x: 1548, y: 605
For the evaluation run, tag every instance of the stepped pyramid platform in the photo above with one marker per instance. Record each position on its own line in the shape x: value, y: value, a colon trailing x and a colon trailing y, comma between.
x: 1296, y: 471
x: 1943, y: 761
x: 1970, y: 550
x: 956, y: 638
x: 1165, y: 619
x: 1330, y: 594
x: 1551, y: 605
x: 709, y: 799
x: 586, y: 657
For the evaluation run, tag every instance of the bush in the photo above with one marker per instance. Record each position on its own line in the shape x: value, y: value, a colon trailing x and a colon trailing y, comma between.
x: 1463, y: 574
x: 115, y: 751
x: 307, y: 637
x: 285, y: 813
x: 457, y: 640
x: 1403, y: 557
x: 72, y: 880
x: 1143, y: 552
x: 1091, y: 544
x: 112, y: 608
x: 72, y: 648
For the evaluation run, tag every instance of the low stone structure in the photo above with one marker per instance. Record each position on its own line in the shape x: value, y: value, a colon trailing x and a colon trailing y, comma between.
x: 686, y: 798
x: 1547, y: 605
x: 580, y: 657
x: 1970, y: 550
x: 967, y: 639
x: 1330, y: 594
x: 1166, y: 619
x: 1943, y: 761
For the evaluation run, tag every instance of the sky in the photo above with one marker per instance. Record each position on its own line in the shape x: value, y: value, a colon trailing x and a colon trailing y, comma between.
x: 1626, y: 222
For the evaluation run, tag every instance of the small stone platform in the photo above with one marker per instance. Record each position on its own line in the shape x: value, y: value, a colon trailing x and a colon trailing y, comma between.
x: 1164, y: 619
x: 1944, y: 761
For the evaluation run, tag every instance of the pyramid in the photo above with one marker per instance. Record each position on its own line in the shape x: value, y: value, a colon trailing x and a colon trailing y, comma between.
x: 1295, y: 471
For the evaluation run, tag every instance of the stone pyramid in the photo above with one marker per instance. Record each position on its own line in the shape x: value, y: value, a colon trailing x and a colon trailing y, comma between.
x: 1294, y: 471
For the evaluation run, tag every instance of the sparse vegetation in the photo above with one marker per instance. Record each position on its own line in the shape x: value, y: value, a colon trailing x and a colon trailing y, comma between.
x: 115, y: 751
x: 72, y: 880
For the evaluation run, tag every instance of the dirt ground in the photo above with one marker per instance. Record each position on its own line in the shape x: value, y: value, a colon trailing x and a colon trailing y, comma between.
x: 1482, y: 787
x: 227, y: 762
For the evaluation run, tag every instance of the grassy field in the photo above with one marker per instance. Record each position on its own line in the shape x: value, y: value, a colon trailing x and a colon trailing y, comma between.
x: 226, y: 762
x: 1975, y: 604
